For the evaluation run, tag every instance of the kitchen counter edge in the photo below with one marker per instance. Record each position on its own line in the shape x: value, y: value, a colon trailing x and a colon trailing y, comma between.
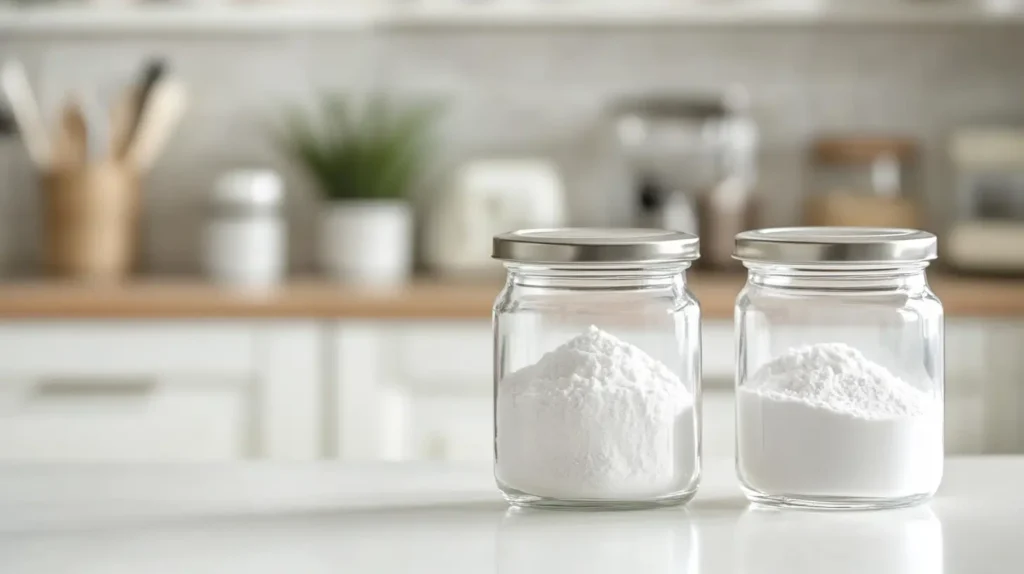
x: 424, y: 298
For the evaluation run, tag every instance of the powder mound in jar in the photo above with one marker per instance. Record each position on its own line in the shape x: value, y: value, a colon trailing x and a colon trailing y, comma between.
x: 838, y: 377
x: 825, y: 420
x: 596, y: 418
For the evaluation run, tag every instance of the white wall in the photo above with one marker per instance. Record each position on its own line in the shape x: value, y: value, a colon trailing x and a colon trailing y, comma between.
x: 527, y: 89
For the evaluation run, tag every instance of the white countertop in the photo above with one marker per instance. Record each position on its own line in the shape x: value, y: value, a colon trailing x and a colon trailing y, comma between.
x: 255, y: 518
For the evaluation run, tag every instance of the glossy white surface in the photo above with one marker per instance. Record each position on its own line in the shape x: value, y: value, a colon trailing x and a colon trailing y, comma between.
x: 423, y: 518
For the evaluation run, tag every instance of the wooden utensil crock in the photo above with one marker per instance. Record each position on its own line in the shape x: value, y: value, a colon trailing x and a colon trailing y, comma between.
x: 91, y: 221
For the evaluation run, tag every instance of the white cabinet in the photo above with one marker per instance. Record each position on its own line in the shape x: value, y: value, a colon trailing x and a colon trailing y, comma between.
x: 423, y: 390
x: 986, y: 370
x: 168, y: 390
x: 361, y: 390
x: 412, y: 390
x: 966, y: 377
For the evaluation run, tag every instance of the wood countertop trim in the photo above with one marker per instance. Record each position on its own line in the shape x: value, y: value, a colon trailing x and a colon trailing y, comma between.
x: 423, y: 299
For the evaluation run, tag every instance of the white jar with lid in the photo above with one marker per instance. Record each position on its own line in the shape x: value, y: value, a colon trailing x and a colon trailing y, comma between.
x: 245, y: 237
x: 597, y: 368
x: 840, y: 368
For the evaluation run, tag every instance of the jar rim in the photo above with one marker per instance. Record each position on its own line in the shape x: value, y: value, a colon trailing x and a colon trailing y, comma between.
x: 595, y: 245
x: 835, y: 246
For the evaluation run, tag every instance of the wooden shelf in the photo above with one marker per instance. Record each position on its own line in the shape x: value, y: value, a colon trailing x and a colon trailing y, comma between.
x: 424, y: 299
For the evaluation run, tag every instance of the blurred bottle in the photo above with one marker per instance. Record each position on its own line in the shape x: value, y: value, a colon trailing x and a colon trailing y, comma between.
x: 728, y: 205
x: 10, y: 150
x: 245, y: 236
x: 664, y: 209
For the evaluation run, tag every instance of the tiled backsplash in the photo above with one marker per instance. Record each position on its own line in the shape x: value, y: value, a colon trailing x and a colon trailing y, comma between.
x: 526, y: 89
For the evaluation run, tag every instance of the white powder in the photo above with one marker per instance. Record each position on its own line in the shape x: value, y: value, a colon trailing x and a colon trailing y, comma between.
x: 596, y: 419
x: 825, y: 420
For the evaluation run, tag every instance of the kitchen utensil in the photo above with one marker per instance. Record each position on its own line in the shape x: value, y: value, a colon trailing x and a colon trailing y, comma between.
x: 122, y: 117
x: 164, y: 109
x: 485, y: 197
x: 154, y: 70
x: 987, y: 230
x: 10, y: 170
x: 97, y: 118
x: 24, y: 105
x: 861, y: 182
x: 126, y: 115
x: 8, y: 126
x: 71, y: 144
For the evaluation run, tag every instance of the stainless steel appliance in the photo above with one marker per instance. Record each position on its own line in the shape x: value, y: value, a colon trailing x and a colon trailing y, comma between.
x: 987, y: 234
x: 693, y: 164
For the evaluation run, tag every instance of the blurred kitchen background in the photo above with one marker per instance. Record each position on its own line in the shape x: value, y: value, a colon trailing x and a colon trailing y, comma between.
x: 185, y: 279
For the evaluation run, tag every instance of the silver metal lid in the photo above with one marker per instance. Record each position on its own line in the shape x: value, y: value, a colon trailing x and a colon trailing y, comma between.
x: 595, y: 245
x: 249, y: 191
x: 835, y: 245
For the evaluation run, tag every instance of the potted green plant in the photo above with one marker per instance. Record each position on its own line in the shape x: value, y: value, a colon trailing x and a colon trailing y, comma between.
x: 364, y: 157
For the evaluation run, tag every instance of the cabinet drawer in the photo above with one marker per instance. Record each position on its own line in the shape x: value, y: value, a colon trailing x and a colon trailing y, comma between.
x: 446, y: 428
x: 125, y: 348
x: 443, y: 354
x: 121, y: 420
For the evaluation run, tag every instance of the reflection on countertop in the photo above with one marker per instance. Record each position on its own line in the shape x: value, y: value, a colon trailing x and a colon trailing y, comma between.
x: 551, y: 541
x: 436, y: 518
x: 907, y: 540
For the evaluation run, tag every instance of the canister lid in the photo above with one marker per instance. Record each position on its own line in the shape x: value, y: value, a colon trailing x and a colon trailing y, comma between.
x: 248, y: 190
x: 595, y: 245
x: 839, y: 245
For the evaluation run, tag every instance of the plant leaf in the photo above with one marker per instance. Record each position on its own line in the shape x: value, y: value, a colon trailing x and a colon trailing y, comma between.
x: 373, y: 151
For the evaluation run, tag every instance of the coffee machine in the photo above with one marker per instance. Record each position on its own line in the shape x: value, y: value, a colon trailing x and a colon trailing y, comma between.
x: 987, y: 230
x: 693, y: 165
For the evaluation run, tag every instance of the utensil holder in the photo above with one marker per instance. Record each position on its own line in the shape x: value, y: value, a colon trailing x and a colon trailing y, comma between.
x: 91, y: 221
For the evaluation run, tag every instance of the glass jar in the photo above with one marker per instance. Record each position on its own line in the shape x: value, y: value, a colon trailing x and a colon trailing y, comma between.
x: 862, y: 182
x: 596, y: 368
x: 839, y: 381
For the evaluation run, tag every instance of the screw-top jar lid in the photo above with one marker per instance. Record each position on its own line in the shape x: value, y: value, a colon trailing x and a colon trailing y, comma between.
x: 836, y: 245
x: 595, y: 245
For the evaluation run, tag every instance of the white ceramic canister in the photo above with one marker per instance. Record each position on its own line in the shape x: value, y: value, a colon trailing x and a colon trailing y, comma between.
x: 367, y: 242
x: 245, y: 241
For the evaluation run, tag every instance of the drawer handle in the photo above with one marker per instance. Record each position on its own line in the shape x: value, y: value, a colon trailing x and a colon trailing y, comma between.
x: 88, y: 390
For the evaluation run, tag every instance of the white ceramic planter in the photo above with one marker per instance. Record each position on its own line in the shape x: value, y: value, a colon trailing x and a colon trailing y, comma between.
x: 367, y: 242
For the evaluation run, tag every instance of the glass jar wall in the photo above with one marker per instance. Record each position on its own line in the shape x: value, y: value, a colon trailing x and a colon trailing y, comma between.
x: 596, y: 369
x: 840, y: 368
